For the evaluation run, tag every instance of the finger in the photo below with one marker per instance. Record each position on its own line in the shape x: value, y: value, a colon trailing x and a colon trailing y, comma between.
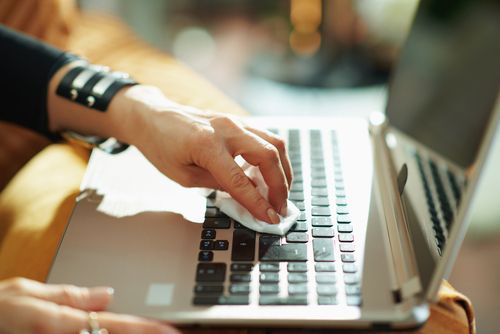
x: 259, y: 152
x: 88, y: 299
x: 280, y: 145
x: 232, y: 178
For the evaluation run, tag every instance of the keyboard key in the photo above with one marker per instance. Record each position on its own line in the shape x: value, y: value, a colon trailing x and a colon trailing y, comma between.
x: 319, y: 183
x: 341, y: 201
x: 269, y: 289
x: 210, y: 272
x: 347, y: 257
x: 353, y: 300
x: 239, y: 289
x: 318, y: 173
x: 297, y: 237
x: 243, y: 245
x: 244, y: 267
x: 339, y: 193
x: 319, y: 192
x: 344, y: 228
x: 343, y: 219
x: 267, y: 240
x: 326, y: 278
x: 327, y: 300
x: 221, y: 223
x: 326, y: 290
x: 346, y: 237
x: 206, y: 245
x: 214, y: 213
x: 324, y: 267
x: 320, y: 211
x: 286, y: 252
x: 279, y: 300
x: 352, y: 290
x: 300, y: 205
x: 221, y: 244
x: 238, y: 225
x: 297, y: 187
x: 208, y: 289
x: 297, y: 278
x: 269, y: 278
x: 205, y: 256
x: 323, y: 250
x: 269, y: 267
x: 221, y: 300
x: 346, y: 247
x: 302, y: 217
x: 299, y: 227
x: 297, y: 289
x: 351, y: 279
x: 298, y: 267
x: 349, y: 268
x: 296, y: 196
x: 322, y: 222
x: 322, y: 232
x: 320, y: 201
x: 208, y: 234
x: 342, y: 210
x: 240, y: 278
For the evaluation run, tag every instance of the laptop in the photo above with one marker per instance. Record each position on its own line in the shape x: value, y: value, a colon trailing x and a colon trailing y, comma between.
x: 384, y: 203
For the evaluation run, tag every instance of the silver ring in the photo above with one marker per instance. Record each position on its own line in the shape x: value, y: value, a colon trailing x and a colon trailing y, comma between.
x: 94, y: 326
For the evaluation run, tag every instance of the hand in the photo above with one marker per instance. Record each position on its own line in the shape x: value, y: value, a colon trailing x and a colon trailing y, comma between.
x: 197, y: 149
x: 192, y: 147
x: 29, y: 307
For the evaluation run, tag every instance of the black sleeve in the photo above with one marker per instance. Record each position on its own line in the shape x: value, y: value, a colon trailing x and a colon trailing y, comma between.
x: 26, y: 66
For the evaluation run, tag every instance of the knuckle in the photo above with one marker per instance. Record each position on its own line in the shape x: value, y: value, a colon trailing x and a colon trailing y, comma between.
x: 224, y: 121
x: 238, y: 178
x: 279, y: 143
x: 73, y: 295
x: 201, y: 145
x: 260, y: 202
x: 17, y: 284
x: 271, y: 153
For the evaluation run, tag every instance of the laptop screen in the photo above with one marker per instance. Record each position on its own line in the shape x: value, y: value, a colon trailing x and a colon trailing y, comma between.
x: 448, y: 76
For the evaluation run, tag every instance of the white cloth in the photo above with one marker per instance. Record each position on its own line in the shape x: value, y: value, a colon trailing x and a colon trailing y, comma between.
x: 233, y: 209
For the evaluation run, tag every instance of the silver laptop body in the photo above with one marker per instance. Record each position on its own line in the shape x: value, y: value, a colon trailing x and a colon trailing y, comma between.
x: 385, y: 205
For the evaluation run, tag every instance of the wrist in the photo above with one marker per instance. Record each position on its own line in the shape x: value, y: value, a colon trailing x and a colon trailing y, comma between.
x: 132, y: 112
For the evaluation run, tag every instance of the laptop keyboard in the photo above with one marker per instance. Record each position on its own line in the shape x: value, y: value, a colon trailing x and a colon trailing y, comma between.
x: 439, y: 203
x: 313, y: 264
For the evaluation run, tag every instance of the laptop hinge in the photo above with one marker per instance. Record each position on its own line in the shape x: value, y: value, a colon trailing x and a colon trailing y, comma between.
x: 391, y: 185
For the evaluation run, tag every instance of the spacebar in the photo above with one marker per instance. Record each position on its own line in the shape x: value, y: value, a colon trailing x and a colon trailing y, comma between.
x: 278, y: 300
x: 286, y: 252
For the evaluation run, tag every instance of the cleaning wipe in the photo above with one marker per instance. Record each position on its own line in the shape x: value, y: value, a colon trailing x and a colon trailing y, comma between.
x: 233, y: 209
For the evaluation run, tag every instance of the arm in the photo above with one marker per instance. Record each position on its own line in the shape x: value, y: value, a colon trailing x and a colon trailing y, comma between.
x: 192, y: 147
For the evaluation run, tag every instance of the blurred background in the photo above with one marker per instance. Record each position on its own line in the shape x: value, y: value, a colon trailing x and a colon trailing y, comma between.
x: 312, y: 57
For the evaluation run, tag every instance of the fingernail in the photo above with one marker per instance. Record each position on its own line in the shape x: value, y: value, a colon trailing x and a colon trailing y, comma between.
x: 103, y: 291
x: 273, y: 216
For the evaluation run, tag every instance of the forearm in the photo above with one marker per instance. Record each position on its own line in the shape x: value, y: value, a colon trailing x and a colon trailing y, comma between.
x: 26, y: 65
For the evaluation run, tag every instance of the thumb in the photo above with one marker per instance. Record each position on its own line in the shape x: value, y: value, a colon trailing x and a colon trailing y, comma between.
x: 87, y: 299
